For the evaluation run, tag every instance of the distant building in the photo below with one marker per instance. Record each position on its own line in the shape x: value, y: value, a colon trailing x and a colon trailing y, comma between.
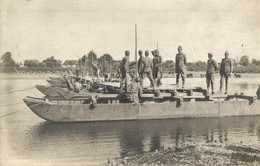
x: 70, y: 63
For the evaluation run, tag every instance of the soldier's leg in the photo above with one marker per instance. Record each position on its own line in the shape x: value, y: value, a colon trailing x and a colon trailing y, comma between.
x: 183, y: 79
x: 141, y: 75
x: 150, y: 77
x: 208, y: 81
x: 122, y: 80
x: 226, y: 82
x: 212, y: 83
x: 160, y: 78
x: 127, y: 82
x: 221, y: 82
x: 177, y: 79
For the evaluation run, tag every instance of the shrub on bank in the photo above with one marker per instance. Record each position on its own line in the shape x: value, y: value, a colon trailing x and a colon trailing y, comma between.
x: 247, y: 69
x: 32, y: 69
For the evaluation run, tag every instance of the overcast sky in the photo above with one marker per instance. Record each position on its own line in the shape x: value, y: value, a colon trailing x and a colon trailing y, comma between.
x: 37, y: 29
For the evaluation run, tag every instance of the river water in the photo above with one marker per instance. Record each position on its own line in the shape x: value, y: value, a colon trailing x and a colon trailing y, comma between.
x: 26, y: 139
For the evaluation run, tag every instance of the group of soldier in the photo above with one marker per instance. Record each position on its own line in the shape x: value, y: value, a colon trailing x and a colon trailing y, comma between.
x: 152, y: 69
x: 225, y: 70
x: 146, y: 66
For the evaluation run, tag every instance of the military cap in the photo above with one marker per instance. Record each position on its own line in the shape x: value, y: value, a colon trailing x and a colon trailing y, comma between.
x: 156, y: 51
x: 127, y: 52
x: 146, y: 52
x: 226, y: 53
x: 179, y: 47
x: 140, y: 51
x: 210, y: 54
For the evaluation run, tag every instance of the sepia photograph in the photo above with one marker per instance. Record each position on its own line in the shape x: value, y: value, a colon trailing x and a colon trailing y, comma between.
x: 129, y: 82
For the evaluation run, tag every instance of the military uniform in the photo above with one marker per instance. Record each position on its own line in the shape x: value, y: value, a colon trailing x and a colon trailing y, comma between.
x: 180, y: 67
x: 225, y: 70
x: 147, y: 70
x: 211, y: 69
x: 157, y: 69
x: 125, y: 72
x: 135, y: 90
x: 140, y: 65
x: 96, y: 69
x: 77, y: 87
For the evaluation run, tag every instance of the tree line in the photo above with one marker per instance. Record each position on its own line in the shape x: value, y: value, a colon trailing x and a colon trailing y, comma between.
x: 107, y: 64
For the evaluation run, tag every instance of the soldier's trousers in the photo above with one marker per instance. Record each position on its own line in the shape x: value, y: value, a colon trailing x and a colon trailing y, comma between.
x: 150, y: 77
x: 125, y: 81
x: 224, y: 76
x: 210, y: 81
x: 180, y: 72
x: 157, y: 75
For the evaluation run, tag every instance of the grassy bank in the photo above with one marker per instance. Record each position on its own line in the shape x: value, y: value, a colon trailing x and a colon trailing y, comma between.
x: 206, y: 154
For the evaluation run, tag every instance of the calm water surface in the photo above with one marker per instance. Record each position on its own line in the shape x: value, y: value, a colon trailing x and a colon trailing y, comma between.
x: 26, y: 139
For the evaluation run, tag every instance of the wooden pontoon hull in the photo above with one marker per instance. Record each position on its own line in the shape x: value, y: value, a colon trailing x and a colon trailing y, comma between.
x: 77, y: 112
x: 57, y: 83
x: 49, y: 90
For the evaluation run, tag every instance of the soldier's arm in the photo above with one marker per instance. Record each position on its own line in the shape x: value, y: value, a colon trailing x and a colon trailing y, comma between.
x: 176, y: 61
x: 126, y: 66
x: 185, y: 60
x: 215, y: 65
x: 161, y: 61
x: 221, y: 67
x: 151, y: 61
x: 231, y: 66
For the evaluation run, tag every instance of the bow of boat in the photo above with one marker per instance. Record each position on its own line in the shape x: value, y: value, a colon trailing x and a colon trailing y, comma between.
x: 37, y: 105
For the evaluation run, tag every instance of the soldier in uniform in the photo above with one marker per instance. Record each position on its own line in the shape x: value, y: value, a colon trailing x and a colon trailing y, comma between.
x: 140, y: 64
x: 95, y: 68
x: 134, y: 88
x: 226, y: 68
x: 125, y: 70
x: 211, y: 69
x: 157, y: 65
x: 180, y: 66
x: 147, y: 69
x: 153, y: 71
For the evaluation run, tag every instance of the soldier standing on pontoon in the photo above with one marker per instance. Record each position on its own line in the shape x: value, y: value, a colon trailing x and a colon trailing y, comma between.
x: 211, y: 69
x: 125, y: 71
x: 95, y: 68
x: 226, y: 68
x: 157, y: 65
x: 180, y: 66
x: 140, y: 64
x: 148, y: 69
x: 134, y: 88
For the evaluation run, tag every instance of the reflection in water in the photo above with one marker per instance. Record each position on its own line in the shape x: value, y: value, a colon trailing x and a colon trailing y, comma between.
x: 131, y: 139
x: 155, y: 142
x: 99, y: 141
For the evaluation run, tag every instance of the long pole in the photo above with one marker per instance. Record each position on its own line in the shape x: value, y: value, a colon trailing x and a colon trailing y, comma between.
x: 136, y: 67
